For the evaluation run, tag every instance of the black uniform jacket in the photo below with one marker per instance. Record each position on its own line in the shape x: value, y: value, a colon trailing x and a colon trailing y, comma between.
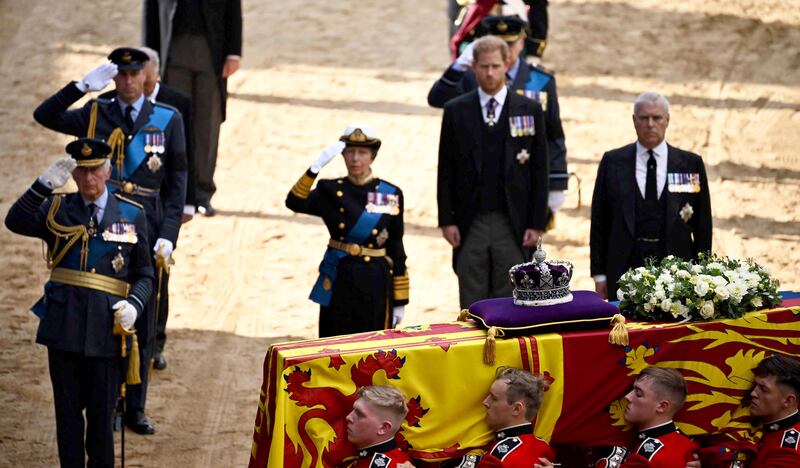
x: 183, y: 103
x: 164, y: 217
x: 78, y: 319
x: 340, y: 203
x: 524, y: 164
x: 455, y: 83
x: 613, y: 227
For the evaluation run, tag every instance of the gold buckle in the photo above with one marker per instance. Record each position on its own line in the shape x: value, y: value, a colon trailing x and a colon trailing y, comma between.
x: 128, y: 187
x: 354, y: 249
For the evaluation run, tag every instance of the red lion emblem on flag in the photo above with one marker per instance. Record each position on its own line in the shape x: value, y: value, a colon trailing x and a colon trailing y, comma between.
x: 332, y: 406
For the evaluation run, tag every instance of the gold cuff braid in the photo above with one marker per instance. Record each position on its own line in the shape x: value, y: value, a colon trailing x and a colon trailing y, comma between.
x: 302, y: 188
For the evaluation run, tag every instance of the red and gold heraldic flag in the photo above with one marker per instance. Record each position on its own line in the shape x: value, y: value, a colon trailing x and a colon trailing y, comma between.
x: 309, y: 386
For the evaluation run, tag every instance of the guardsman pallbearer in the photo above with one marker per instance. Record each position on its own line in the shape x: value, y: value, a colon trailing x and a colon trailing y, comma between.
x: 100, y: 272
x: 148, y: 165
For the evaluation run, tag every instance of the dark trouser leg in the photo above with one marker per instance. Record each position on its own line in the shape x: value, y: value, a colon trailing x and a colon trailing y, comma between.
x: 68, y: 397
x: 473, y: 262
x: 162, y: 313
x: 80, y: 383
x: 103, y: 377
x: 191, y: 70
x: 505, y: 253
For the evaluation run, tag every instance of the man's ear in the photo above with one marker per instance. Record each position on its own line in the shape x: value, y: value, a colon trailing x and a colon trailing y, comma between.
x: 385, y: 427
x: 663, y: 407
x: 790, y: 400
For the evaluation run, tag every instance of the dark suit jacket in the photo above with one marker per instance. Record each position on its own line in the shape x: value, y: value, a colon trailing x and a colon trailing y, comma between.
x: 613, y: 227
x: 81, y: 320
x: 171, y: 96
x: 460, y: 165
x: 223, y: 26
x: 164, y: 218
x: 454, y: 83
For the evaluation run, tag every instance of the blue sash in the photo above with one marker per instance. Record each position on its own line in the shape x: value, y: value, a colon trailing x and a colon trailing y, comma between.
x: 538, y: 81
x: 134, y: 151
x: 323, y: 288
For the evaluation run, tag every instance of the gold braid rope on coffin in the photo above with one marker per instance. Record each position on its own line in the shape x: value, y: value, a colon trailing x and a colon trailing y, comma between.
x: 69, y: 234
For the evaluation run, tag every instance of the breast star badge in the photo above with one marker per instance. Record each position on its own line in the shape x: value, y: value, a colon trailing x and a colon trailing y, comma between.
x: 154, y: 163
x: 523, y: 156
x: 118, y: 262
x: 686, y: 212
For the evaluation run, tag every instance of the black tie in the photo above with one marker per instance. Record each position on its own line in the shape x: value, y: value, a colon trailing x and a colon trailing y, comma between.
x: 129, y: 118
x: 490, y: 111
x: 650, y: 193
x: 92, y: 229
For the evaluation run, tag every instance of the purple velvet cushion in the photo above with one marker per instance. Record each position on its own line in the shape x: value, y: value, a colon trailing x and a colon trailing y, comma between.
x: 586, y: 310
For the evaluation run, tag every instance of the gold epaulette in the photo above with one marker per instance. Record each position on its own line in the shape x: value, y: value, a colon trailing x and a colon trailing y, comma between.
x: 128, y: 200
x: 302, y: 188
x: 401, y: 287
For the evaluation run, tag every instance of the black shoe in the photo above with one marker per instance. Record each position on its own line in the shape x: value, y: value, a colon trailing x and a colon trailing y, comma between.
x: 159, y: 360
x: 206, y: 209
x: 139, y: 423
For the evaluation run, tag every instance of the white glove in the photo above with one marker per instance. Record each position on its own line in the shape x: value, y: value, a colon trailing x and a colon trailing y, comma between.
x: 127, y: 314
x: 98, y: 78
x: 58, y: 173
x: 556, y: 198
x: 163, y: 248
x: 327, y: 155
x: 465, y: 60
x: 397, y: 315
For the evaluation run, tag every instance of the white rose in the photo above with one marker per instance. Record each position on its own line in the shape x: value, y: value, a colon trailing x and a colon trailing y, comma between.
x: 756, y: 301
x: 701, y: 288
x: 707, y: 310
x: 696, y: 269
x: 648, y: 307
x: 683, y: 274
x: 722, y: 293
x: 666, y: 305
x: 620, y: 294
x: 659, y: 294
x: 719, y: 280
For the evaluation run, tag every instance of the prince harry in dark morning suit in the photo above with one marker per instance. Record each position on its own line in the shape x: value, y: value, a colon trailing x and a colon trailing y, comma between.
x: 492, y: 177
x: 650, y: 200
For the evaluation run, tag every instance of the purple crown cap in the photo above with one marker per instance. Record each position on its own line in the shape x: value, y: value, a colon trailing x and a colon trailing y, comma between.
x: 540, y: 283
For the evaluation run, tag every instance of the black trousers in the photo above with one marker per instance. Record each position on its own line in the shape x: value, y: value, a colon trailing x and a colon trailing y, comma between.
x: 362, y: 298
x: 84, y: 383
x: 162, y: 314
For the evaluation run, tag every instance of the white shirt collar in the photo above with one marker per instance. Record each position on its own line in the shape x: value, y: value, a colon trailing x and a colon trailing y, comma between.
x: 500, y: 97
x: 152, y: 96
x: 659, y: 152
x: 100, y: 203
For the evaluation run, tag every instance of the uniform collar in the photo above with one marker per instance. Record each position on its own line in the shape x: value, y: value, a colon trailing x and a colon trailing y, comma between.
x: 514, y: 431
x: 382, y: 447
x: 658, y: 431
x: 781, y: 424
x: 137, y: 104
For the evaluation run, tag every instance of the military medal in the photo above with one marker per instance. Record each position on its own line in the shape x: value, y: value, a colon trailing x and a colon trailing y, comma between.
x: 121, y: 232
x: 91, y: 229
x: 521, y: 125
x: 683, y: 182
x: 118, y: 262
x: 154, y: 163
x: 523, y: 156
x: 383, y: 203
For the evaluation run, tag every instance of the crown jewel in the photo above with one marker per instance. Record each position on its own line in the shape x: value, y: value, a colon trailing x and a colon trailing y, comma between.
x: 540, y: 283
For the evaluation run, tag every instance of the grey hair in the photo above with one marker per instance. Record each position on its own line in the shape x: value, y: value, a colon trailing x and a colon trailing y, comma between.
x: 153, y: 55
x: 651, y: 96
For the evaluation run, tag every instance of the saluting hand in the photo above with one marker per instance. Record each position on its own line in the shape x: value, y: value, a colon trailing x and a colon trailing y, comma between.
x: 466, y: 58
x: 58, y: 173
x: 98, y: 78
x: 327, y: 156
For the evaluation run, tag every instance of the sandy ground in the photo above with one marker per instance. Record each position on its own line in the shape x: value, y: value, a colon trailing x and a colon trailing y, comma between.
x: 730, y: 67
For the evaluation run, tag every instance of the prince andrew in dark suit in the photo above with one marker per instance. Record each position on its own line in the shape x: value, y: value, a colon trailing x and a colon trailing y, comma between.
x: 650, y: 200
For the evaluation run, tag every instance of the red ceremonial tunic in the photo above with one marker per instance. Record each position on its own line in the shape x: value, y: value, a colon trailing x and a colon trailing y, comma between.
x: 660, y: 447
x: 384, y: 455
x: 779, y: 446
x: 516, y: 447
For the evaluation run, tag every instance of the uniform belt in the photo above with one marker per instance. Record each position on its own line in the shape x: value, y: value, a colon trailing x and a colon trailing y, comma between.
x: 651, y: 240
x: 133, y: 189
x: 85, y: 279
x: 355, y: 249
